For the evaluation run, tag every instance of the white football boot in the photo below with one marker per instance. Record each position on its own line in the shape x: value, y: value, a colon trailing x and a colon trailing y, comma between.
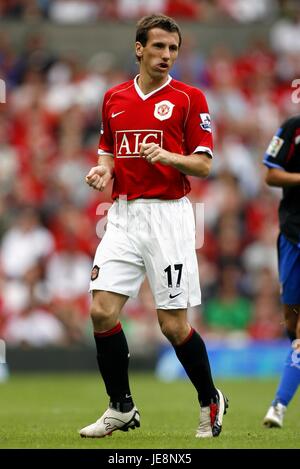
x: 111, y: 421
x: 211, y: 418
x: 274, y: 416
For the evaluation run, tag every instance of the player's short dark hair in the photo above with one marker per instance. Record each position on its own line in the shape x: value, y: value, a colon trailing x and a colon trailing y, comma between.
x: 156, y: 21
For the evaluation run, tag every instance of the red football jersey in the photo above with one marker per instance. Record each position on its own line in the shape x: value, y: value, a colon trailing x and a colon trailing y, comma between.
x: 175, y: 116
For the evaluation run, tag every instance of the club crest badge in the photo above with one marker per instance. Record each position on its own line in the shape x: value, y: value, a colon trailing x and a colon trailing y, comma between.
x: 163, y: 110
x: 95, y: 272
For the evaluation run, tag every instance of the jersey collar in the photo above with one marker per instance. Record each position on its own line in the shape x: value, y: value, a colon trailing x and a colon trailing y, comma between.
x: 146, y: 96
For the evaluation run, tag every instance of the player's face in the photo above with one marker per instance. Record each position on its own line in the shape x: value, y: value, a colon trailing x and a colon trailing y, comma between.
x: 159, y: 53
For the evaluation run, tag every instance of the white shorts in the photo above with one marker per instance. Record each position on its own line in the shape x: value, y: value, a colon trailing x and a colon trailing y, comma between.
x: 153, y: 237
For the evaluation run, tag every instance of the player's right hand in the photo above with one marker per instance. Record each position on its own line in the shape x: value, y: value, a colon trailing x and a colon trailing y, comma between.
x: 98, y: 177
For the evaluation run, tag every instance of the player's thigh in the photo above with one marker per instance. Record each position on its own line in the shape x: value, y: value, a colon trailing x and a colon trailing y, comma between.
x: 171, y: 261
x: 289, y: 274
x: 118, y: 267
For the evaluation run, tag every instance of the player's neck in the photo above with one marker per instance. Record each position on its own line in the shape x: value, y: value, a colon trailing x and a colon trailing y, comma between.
x: 148, y: 84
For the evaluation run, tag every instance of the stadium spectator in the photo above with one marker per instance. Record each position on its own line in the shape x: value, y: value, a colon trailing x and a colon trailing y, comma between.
x: 156, y: 192
x: 78, y: 11
x: 28, y: 320
x: 24, y: 244
x: 285, y: 33
x: 70, y: 167
x: 132, y: 9
x: 185, y: 9
x: 73, y: 11
x: 9, y: 163
x: 245, y: 11
x: 225, y: 97
x: 261, y: 253
x: 265, y: 324
x: 282, y: 159
x: 66, y: 276
x: 34, y: 328
x: 191, y: 65
x: 229, y: 310
x: 11, y: 8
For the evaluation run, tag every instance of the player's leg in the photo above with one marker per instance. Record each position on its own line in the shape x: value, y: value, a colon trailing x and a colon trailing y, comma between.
x: 290, y: 378
x: 191, y: 352
x: 289, y: 272
x: 117, y: 274
x: 113, y: 362
x: 172, y: 270
x: 112, y: 348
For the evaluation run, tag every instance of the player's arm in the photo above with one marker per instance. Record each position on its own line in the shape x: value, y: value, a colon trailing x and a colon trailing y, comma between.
x: 279, y: 178
x: 100, y: 175
x: 196, y: 164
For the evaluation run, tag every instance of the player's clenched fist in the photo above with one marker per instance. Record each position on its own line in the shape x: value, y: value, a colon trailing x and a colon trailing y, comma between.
x: 98, y: 177
x: 154, y: 153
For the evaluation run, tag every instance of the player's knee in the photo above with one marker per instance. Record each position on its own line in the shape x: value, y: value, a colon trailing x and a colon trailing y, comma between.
x: 290, y: 318
x: 173, y: 331
x: 290, y: 325
x: 102, y: 314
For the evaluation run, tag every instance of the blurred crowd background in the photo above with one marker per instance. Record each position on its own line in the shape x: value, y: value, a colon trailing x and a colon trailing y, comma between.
x: 49, y: 132
x: 87, y: 11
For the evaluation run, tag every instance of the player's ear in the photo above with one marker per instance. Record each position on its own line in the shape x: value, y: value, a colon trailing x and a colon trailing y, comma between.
x: 138, y: 49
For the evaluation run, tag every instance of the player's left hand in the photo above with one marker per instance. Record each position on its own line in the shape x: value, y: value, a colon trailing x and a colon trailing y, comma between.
x: 154, y: 154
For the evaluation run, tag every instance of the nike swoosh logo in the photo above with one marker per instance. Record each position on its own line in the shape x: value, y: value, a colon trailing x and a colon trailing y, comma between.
x: 115, y: 114
x: 174, y: 296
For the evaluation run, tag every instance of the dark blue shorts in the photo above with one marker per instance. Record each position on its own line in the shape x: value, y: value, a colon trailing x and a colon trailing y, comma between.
x: 289, y: 271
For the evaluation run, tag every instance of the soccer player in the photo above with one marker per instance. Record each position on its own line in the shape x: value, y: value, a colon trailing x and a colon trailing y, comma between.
x: 282, y: 159
x: 156, y: 130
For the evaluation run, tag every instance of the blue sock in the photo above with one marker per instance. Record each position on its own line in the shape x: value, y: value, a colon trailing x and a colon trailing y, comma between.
x: 290, y: 379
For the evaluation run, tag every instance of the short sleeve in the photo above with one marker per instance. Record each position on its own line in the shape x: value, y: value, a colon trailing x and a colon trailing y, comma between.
x: 106, y: 143
x: 198, y: 132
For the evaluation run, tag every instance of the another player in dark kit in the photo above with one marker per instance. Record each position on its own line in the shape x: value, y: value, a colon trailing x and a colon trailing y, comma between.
x: 282, y: 159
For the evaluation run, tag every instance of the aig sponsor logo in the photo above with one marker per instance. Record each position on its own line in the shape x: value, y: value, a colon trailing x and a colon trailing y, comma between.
x: 128, y: 141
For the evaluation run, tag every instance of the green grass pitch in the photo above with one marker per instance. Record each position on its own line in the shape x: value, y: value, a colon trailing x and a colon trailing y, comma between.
x: 46, y: 411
